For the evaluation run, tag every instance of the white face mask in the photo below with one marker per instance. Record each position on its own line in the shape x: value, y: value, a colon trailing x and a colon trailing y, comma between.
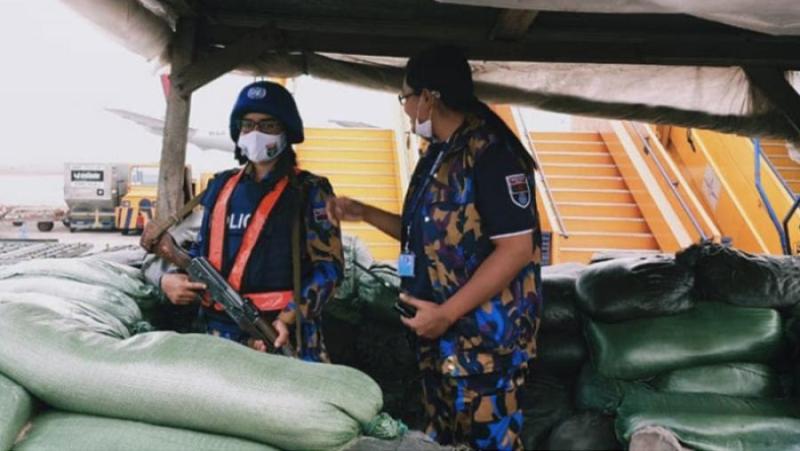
x: 424, y: 129
x: 261, y: 147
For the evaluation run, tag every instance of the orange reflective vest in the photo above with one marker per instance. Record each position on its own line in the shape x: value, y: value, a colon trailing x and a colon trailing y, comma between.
x: 267, y: 301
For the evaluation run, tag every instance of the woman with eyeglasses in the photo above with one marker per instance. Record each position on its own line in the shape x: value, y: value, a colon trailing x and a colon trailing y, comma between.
x: 247, y: 230
x: 470, y: 253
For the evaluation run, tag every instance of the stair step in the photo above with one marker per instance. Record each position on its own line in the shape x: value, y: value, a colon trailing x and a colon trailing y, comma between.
x: 592, y: 195
x: 584, y: 255
x: 599, y: 224
x: 542, y: 147
x: 575, y: 158
x: 572, y: 169
x: 593, y: 182
x: 347, y: 153
x: 601, y: 209
x: 566, y: 136
x: 618, y: 240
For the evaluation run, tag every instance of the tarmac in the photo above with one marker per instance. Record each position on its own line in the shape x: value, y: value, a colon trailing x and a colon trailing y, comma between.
x: 26, y: 242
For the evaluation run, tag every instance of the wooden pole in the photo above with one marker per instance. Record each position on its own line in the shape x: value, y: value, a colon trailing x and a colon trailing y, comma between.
x: 176, y: 125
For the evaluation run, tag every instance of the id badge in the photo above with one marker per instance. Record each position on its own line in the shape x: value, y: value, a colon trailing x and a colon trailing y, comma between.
x: 405, y: 265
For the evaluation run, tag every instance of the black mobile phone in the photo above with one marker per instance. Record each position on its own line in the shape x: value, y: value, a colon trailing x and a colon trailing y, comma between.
x: 404, y: 309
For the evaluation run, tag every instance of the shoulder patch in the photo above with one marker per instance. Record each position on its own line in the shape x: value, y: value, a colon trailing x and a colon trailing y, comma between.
x: 519, y: 190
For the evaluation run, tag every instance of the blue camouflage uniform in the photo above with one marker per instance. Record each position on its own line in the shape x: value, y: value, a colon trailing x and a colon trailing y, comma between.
x: 482, y: 189
x: 270, y: 265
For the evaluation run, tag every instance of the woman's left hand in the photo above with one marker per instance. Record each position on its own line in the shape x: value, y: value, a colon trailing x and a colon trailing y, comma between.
x: 430, y: 321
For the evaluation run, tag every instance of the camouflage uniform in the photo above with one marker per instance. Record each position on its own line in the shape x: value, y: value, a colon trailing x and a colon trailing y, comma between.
x: 471, y: 373
x: 321, y: 258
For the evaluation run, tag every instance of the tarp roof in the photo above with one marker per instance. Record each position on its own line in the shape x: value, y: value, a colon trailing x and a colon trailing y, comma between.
x: 659, y: 60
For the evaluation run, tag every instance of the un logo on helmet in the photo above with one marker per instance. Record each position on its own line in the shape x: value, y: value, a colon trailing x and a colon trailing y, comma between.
x: 256, y: 92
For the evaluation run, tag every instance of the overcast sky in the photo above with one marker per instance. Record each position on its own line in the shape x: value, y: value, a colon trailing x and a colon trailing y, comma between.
x: 60, y: 71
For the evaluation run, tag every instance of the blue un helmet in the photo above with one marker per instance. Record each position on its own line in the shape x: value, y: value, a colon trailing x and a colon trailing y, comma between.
x: 268, y: 98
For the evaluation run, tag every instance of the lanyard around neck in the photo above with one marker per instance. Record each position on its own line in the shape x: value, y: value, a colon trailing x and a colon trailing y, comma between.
x: 419, y: 194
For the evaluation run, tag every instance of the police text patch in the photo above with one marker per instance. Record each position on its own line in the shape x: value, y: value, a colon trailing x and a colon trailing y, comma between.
x: 519, y: 190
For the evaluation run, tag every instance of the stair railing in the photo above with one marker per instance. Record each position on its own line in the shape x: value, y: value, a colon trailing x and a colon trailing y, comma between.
x: 528, y: 143
x: 673, y: 185
x: 782, y: 231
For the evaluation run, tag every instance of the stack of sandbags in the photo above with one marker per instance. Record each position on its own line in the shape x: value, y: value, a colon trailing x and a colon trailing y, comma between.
x: 550, y: 417
x: 664, y: 355
x: 84, y: 355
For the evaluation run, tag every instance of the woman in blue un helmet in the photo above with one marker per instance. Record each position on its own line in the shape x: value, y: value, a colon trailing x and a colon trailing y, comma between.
x: 247, y: 228
x: 470, y: 252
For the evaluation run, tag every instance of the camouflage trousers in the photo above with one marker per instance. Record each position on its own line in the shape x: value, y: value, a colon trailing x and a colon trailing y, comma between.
x: 480, y: 411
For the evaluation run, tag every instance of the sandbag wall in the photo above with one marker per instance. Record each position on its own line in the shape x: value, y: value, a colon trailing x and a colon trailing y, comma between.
x: 77, y: 360
x: 697, y: 344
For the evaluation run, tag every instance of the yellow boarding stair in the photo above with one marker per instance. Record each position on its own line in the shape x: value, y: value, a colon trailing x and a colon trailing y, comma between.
x: 596, y: 207
x: 361, y: 164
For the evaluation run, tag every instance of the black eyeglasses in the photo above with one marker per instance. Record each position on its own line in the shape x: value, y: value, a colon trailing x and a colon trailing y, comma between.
x: 272, y: 126
x: 402, y: 98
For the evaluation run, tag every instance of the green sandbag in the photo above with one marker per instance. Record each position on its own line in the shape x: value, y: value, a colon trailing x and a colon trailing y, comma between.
x: 545, y: 401
x: 558, y: 288
x: 729, y: 275
x: 597, y: 393
x: 16, y: 406
x: 346, y: 305
x: 560, y: 355
x: 93, y: 271
x: 708, y: 334
x: 378, y: 288
x: 189, y: 381
x: 584, y: 431
x: 56, y: 431
x: 110, y: 300
x: 733, y: 379
x: 714, y: 422
x: 635, y: 287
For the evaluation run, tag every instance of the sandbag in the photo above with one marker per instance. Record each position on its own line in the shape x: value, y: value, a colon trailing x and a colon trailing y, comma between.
x: 378, y: 288
x: 57, y: 431
x: 186, y: 381
x: 597, y: 393
x: 635, y: 287
x: 729, y: 275
x: 558, y: 289
x: 93, y: 271
x: 16, y: 406
x: 545, y: 401
x: 584, y: 431
x: 112, y: 301
x: 346, y: 304
x: 560, y: 355
x: 708, y: 334
x: 733, y: 379
x: 714, y: 422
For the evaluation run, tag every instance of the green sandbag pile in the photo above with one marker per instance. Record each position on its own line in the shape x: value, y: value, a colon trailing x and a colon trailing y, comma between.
x: 57, y: 431
x: 77, y: 356
x: 702, y: 359
x: 16, y: 406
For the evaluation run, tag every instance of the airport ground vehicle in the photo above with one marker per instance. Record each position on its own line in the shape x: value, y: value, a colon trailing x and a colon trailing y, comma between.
x: 92, y: 191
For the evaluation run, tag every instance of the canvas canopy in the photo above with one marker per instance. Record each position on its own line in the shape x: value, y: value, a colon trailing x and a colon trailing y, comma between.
x: 663, y: 61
